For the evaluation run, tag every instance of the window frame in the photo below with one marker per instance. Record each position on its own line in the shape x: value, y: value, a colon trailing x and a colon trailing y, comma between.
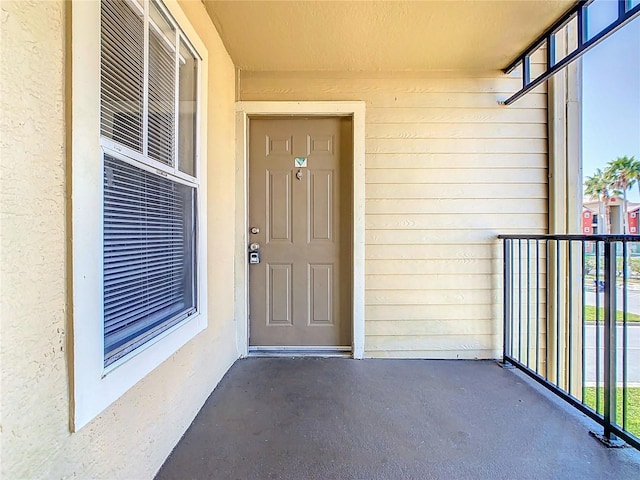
x: 94, y: 386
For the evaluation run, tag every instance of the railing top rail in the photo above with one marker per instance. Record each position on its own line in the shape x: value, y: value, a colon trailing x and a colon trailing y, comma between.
x: 587, y: 238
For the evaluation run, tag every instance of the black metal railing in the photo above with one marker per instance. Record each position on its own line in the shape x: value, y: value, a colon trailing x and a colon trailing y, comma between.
x: 572, y: 322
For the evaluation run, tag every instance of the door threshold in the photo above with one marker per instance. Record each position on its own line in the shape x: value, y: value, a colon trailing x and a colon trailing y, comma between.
x: 300, y: 351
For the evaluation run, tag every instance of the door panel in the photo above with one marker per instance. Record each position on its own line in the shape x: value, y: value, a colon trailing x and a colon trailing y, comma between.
x: 321, y: 294
x: 319, y: 201
x: 278, y: 198
x: 280, y: 291
x: 300, y: 293
x: 278, y: 146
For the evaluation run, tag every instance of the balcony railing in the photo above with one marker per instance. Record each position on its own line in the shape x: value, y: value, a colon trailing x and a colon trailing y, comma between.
x: 572, y: 323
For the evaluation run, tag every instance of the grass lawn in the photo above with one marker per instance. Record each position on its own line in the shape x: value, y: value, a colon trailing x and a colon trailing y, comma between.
x: 590, y: 314
x: 633, y: 406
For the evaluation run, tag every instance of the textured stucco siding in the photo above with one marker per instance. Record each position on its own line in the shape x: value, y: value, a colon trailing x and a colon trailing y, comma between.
x: 133, y: 436
x: 447, y: 169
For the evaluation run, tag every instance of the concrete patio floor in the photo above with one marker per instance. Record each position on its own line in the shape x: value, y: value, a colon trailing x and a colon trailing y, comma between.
x: 334, y: 418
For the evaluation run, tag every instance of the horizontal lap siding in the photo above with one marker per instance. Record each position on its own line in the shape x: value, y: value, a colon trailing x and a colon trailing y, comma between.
x: 447, y: 169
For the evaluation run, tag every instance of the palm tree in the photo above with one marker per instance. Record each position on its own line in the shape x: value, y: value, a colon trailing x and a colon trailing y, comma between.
x: 635, y: 168
x: 622, y: 173
x: 597, y: 187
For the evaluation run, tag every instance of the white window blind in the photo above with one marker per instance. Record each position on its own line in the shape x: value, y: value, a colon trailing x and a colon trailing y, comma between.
x: 149, y: 202
x: 121, y: 73
x: 187, y: 120
x: 149, y: 236
x: 162, y: 87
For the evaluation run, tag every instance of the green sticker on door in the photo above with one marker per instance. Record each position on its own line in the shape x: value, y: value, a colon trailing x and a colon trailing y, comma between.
x: 300, y: 162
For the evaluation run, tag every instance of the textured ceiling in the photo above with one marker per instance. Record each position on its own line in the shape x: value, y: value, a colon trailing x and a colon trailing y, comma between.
x: 380, y: 35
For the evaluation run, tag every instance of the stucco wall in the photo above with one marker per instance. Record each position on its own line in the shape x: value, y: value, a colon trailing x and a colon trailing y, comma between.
x: 133, y: 436
x: 447, y: 169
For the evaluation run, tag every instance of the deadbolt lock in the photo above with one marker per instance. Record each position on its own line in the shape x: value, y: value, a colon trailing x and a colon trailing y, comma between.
x: 254, y: 253
x: 254, y: 258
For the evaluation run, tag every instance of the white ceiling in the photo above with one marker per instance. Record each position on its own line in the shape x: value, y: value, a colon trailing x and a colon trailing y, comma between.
x: 380, y: 36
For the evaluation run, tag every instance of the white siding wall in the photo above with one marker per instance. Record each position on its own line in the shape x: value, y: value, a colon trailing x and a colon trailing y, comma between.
x: 447, y: 169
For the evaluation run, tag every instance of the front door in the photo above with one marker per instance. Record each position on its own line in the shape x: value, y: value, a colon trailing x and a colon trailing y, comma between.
x: 300, y: 230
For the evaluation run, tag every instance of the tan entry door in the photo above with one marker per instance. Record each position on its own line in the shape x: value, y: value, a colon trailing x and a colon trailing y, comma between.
x: 300, y: 218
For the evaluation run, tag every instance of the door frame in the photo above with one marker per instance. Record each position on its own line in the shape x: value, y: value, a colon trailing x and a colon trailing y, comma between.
x: 245, y: 110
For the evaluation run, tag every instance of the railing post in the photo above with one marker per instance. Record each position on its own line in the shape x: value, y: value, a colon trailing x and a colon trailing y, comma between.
x: 507, y: 300
x: 609, y: 340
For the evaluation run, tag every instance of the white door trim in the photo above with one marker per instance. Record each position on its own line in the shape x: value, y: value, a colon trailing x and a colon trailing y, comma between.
x: 355, y: 110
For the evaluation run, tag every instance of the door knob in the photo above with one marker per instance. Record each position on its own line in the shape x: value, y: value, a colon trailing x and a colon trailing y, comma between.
x: 254, y: 247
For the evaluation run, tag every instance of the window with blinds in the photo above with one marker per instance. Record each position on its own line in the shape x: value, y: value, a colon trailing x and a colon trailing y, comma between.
x: 148, y: 117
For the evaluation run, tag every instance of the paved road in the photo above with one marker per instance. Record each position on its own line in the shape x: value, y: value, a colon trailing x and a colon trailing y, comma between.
x: 633, y: 299
x: 633, y: 338
x: 633, y: 360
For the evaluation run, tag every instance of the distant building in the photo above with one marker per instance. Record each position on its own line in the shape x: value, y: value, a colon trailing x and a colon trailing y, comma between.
x: 590, y: 217
x: 633, y: 220
x: 589, y: 221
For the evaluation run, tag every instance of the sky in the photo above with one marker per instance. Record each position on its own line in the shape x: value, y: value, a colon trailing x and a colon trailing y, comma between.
x: 611, y: 94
